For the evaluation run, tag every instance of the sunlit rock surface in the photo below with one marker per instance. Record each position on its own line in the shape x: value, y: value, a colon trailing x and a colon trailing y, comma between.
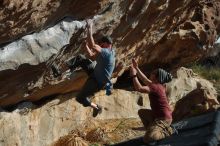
x: 157, y: 33
x: 39, y: 47
x: 41, y: 125
x: 189, y: 94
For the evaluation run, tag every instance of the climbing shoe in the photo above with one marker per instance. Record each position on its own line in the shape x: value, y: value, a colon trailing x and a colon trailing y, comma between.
x: 97, y: 111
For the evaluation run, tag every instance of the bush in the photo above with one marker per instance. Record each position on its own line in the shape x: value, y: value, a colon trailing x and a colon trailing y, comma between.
x: 212, y: 73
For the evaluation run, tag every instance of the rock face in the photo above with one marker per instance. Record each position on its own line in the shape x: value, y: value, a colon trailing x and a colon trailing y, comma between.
x: 34, y: 35
x: 40, y: 126
x: 39, y: 47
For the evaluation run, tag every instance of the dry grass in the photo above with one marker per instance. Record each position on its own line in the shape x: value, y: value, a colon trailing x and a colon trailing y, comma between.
x: 97, y: 133
x: 212, y: 74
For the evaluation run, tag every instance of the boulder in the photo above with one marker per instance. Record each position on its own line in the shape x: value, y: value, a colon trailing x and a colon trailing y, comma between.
x: 42, y: 125
x: 191, y: 95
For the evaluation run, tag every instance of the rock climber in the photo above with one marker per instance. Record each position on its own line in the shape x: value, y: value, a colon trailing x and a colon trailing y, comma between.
x: 99, y: 67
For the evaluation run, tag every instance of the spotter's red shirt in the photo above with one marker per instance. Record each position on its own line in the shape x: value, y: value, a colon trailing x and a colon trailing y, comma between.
x: 159, y: 102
